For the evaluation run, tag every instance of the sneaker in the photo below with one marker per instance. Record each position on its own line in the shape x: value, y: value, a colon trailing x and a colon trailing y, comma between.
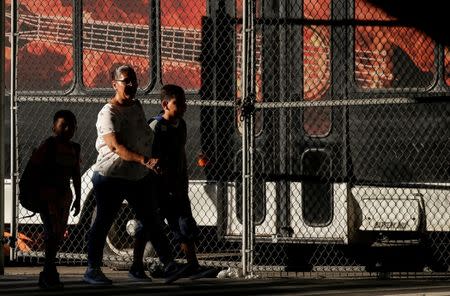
x: 181, y: 271
x: 157, y: 270
x: 137, y: 273
x: 95, y: 276
x: 170, y: 269
x: 49, y: 280
x: 205, y: 272
x: 192, y: 268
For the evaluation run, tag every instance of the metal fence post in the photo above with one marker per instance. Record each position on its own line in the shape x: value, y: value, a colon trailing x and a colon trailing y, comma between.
x: 2, y: 141
x: 247, y: 115
x: 13, y: 106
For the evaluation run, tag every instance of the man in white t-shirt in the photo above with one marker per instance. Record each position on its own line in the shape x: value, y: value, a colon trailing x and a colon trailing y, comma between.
x: 124, y: 142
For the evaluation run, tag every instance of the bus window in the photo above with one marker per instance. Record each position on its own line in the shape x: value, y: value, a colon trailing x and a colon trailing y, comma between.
x: 316, y: 79
x: 317, y: 193
x: 108, y: 42
x: 45, y: 50
x: 390, y: 57
x: 181, y: 42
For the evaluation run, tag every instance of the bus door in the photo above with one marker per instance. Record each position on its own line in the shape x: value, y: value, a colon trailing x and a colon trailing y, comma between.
x: 299, y: 159
x: 313, y: 196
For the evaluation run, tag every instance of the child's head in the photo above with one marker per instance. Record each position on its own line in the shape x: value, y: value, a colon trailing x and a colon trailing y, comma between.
x: 173, y: 101
x: 64, y: 124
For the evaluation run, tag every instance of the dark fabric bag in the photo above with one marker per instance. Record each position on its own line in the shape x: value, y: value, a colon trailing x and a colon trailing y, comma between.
x: 31, y: 179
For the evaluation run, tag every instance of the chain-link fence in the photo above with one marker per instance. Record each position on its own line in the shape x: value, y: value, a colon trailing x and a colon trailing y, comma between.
x: 350, y: 125
x: 351, y: 165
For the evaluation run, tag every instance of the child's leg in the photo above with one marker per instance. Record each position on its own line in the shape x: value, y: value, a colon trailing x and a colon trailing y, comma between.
x: 50, y: 241
x: 54, y: 216
x: 54, y: 213
x: 140, y: 242
x: 145, y: 207
x: 188, y: 231
x: 188, y: 248
x: 182, y: 225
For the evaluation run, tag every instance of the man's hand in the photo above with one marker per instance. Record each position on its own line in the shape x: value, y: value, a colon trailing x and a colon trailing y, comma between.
x: 154, y: 165
x: 76, y: 207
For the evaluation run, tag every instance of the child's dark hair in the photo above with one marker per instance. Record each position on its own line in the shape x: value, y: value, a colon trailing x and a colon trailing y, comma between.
x: 171, y: 91
x: 121, y: 69
x: 67, y: 115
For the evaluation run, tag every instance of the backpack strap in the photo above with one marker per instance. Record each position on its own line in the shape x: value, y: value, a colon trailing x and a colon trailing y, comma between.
x: 51, y: 148
x: 158, y: 118
x: 49, y: 156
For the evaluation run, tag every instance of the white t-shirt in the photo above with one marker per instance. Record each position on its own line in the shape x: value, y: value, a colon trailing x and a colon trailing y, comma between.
x: 131, y: 129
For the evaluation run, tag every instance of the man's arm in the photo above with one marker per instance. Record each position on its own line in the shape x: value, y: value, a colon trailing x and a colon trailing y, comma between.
x: 122, y: 151
x: 128, y: 155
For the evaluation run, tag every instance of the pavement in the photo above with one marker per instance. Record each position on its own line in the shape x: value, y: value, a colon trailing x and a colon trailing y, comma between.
x: 22, y: 280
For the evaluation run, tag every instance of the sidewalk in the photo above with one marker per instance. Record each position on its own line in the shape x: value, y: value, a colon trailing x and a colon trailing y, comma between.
x: 65, y: 271
x: 23, y: 280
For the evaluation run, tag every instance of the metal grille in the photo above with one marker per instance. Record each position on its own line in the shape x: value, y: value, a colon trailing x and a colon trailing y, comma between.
x: 346, y: 104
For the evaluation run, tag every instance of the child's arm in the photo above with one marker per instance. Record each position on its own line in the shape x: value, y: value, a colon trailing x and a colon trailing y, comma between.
x: 76, y: 178
x: 156, y: 149
x: 184, y: 172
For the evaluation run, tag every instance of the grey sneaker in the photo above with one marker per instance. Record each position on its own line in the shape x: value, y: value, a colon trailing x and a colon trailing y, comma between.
x: 181, y: 271
x: 95, y: 276
x: 137, y: 273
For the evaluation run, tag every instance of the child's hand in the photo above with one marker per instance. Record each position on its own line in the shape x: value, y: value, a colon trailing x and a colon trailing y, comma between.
x: 154, y: 165
x: 76, y: 207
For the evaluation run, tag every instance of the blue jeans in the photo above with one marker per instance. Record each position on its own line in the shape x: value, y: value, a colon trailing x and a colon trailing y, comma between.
x: 109, y: 194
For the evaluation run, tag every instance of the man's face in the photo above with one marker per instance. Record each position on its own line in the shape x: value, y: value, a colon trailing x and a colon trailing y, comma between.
x: 64, y: 128
x: 126, y: 86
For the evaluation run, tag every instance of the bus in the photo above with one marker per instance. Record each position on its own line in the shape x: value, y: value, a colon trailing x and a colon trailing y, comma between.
x: 351, y: 121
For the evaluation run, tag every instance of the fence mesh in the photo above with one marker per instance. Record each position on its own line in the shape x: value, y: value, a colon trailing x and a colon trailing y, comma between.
x: 351, y: 126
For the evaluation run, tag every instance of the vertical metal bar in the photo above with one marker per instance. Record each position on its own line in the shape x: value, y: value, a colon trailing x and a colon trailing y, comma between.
x: 284, y: 83
x: 248, y: 90
x: 2, y: 140
x: 13, y: 114
x: 77, y: 43
x: 156, y: 28
x: 251, y: 131
x: 244, y: 137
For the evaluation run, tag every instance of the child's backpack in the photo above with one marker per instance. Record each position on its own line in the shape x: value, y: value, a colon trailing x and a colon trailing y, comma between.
x: 31, y: 179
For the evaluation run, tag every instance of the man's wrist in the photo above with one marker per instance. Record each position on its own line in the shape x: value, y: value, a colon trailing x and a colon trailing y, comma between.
x: 146, y: 160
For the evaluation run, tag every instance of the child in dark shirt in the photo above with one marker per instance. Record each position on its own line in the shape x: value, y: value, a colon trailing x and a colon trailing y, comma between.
x: 57, y: 160
x: 169, y: 146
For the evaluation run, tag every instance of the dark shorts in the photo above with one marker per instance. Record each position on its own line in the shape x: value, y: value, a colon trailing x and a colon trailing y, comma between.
x: 54, y: 211
x: 178, y: 213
